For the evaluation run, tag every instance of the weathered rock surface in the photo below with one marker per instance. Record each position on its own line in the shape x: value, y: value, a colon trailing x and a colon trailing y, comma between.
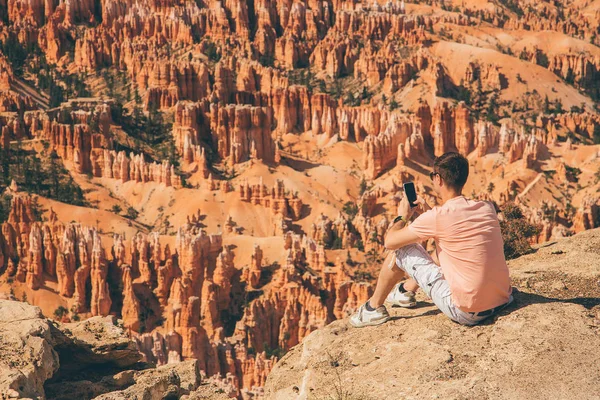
x: 84, y: 360
x: 28, y: 357
x: 545, y: 345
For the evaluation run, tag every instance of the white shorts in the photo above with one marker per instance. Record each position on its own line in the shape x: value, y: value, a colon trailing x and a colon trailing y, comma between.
x: 418, y: 264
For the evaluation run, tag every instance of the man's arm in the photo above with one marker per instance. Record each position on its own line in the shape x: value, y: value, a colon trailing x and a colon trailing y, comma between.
x: 398, y: 235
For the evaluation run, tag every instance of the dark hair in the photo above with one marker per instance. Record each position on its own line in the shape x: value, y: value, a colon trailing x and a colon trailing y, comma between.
x: 453, y: 169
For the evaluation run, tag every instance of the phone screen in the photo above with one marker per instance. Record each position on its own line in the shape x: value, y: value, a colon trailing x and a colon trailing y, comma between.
x: 411, y: 194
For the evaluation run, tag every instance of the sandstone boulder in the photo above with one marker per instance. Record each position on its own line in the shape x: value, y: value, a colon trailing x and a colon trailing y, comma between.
x: 27, y: 356
x: 84, y: 360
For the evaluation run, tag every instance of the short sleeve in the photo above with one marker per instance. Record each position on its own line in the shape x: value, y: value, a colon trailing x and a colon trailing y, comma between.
x: 424, y: 226
x: 493, y: 206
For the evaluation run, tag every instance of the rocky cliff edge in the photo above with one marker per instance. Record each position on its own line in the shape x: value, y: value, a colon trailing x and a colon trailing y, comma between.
x: 41, y: 359
x: 545, y: 346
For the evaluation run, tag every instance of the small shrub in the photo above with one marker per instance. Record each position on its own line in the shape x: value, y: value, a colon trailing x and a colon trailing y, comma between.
x: 374, y: 238
x: 336, y: 243
x: 576, y: 109
x: 266, y: 60
x: 573, y: 173
x: 277, y: 352
x: 364, y: 186
x: 516, y: 231
x: 132, y: 213
x: 349, y: 258
x: 60, y: 312
x: 212, y: 52
x: 360, y: 245
x: 5, y: 206
x: 351, y: 209
x: 362, y: 276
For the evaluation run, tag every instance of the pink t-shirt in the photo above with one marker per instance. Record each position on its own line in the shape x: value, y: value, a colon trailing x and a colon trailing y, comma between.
x: 470, y: 250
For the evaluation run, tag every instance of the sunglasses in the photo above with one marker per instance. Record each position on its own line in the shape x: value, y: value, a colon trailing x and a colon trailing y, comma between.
x: 432, y: 174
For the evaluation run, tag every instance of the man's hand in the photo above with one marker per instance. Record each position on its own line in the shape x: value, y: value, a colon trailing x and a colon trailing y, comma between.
x: 398, y: 235
x: 405, y: 209
x: 422, y: 205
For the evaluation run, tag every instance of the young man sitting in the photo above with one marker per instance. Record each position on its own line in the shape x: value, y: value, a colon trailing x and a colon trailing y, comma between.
x: 472, y: 281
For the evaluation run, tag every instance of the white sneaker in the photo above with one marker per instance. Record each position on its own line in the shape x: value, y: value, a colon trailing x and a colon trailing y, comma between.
x: 396, y: 298
x: 363, y: 317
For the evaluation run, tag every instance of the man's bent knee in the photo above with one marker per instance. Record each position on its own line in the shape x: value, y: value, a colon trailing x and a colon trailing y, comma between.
x: 414, y: 249
x: 411, y: 249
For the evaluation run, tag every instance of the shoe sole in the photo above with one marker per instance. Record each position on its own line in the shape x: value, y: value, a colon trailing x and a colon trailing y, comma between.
x: 404, y: 305
x: 372, y: 323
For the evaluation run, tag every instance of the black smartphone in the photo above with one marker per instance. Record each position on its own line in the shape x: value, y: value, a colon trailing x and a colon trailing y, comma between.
x: 411, y: 194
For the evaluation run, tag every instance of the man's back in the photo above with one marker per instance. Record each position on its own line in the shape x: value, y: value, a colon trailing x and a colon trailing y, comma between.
x: 470, y: 251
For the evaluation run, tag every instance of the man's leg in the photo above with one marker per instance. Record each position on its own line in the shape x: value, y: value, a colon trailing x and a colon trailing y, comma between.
x: 373, y: 312
x: 388, y: 277
x: 411, y: 285
x: 411, y: 261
